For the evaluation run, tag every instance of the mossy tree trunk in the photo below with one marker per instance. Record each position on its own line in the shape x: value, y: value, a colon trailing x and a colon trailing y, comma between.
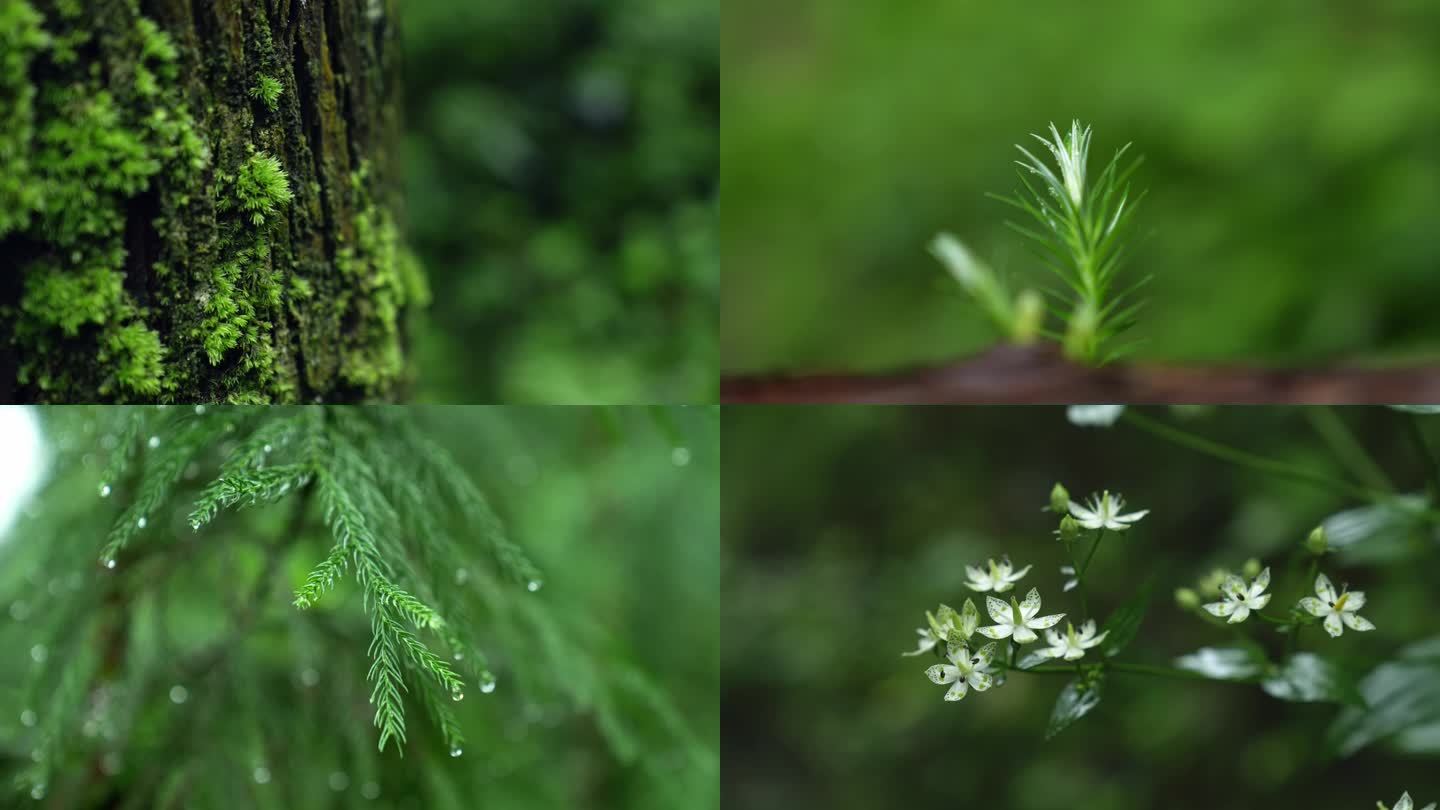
x: 196, y: 201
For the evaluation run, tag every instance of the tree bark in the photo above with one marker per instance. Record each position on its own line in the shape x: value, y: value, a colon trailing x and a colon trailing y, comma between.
x: 197, y: 201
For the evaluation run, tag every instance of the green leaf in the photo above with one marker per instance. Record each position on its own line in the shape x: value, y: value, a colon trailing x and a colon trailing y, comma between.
x: 1124, y: 623
x: 1033, y: 659
x: 1426, y: 410
x: 1400, y: 695
x: 1221, y: 663
x: 1079, y: 697
x: 1381, y: 531
x: 1308, y: 678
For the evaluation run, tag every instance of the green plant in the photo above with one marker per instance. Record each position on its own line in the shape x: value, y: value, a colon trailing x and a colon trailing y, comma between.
x: 267, y: 89
x: 1083, y: 223
x: 262, y: 186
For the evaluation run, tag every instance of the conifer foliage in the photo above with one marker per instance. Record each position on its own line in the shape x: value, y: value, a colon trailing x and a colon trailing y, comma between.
x: 405, y: 588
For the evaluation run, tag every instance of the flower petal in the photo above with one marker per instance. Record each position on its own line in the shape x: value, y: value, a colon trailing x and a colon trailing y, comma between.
x: 1356, y: 622
x: 1074, y: 653
x: 1001, y: 586
x: 1354, y: 600
x: 1259, y: 602
x: 975, y: 573
x: 1088, y: 643
x: 1220, y: 608
x: 1233, y: 587
x: 1314, y: 606
x: 980, y: 681
x: 1087, y: 629
x: 1051, y: 652
x: 927, y: 643
x: 1332, y: 625
x: 1324, y: 589
x: 1132, y: 517
x: 969, y: 618
x: 1082, y: 514
x: 1042, y: 622
x: 985, y: 655
x: 1261, y: 582
x: 1242, y: 612
x: 1015, y: 577
x: 957, y: 692
x: 942, y: 673
x: 1031, y: 605
x: 1054, y: 639
x: 997, y: 631
x: 998, y: 610
x: 1404, y: 803
x: 1024, y: 635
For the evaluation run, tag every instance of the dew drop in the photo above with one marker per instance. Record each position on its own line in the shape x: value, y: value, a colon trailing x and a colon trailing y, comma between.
x: 370, y: 790
x: 19, y: 610
x: 339, y: 780
x: 140, y: 524
x: 455, y: 752
x: 268, y: 448
x: 154, y: 442
x: 199, y: 409
x: 487, y: 687
x: 179, y: 694
x: 533, y: 585
x: 680, y: 456
x: 38, y: 792
x: 309, y: 676
x: 37, y: 756
x: 457, y: 695
x: 262, y: 775
x: 461, y: 576
x: 104, y: 490
x: 110, y: 563
x: 28, y: 718
x: 459, y: 656
x: 39, y: 653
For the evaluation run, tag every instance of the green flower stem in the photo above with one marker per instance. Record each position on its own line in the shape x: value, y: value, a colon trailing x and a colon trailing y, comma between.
x: 1347, y: 448
x: 1243, y: 458
x: 1271, y: 619
x: 1432, y: 467
x: 1079, y: 580
x: 1080, y: 572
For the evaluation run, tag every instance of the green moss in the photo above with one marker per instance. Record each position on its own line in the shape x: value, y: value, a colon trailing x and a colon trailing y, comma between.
x: 262, y: 187
x: 267, y: 90
x: 21, y: 38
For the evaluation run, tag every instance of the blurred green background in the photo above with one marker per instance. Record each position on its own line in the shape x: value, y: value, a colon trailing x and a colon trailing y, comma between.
x: 611, y: 704
x: 560, y: 165
x: 1290, y: 150
x: 842, y: 525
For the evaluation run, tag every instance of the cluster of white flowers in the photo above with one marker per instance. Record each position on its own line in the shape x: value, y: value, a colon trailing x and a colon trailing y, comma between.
x: 1405, y: 803
x: 1338, y: 609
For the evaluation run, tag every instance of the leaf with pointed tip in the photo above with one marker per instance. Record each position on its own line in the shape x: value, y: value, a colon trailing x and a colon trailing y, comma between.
x: 1124, y: 623
x: 1308, y: 678
x: 1079, y: 697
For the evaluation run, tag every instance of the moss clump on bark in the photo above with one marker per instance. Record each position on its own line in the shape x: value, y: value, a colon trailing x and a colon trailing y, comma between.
x: 184, y: 206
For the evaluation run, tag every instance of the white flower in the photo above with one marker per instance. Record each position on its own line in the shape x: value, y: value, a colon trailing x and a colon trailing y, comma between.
x: 1000, y: 578
x: 1018, y: 621
x: 1069, y: 571
x: 948, y: 626
x: 1072, y: 646
x: 1240, y: 599
x: 1103, y: 512
x: 965, y: 670
x: 1405, y: 803
x: 1337, y: 608
x: 1093, y: 415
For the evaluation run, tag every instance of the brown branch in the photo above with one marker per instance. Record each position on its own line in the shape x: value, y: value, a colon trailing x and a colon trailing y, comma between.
x: 1038, y: 374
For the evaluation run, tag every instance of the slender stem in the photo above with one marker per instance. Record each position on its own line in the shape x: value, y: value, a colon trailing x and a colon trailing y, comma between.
x: 1088, y: 557
x: 1272, y: 619
x: 1079, y: 581
x: 1432, y: 467
x: 1245, y: 458
x: 1347, y: 447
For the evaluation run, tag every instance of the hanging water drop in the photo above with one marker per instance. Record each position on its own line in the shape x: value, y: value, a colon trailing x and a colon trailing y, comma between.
x: 461, y: 576
x: 110, y: 563
x: 459, y: 656
x: 457, y: 695
x: 268, y: 448
x: 680, y: 456
x: 370, y: 790
x: 199, y: 409
x: 38, y: 792
x: 104, y: 490
x: 140, y: 524
x: 533, y: 585
x: 154, y: 442
x: 339, y: 780
x: 487, y: 687
x: 28, y: 718
x: 262, y: 775
x: 179, y: 694
x: 455, y: 752
x: 39, y: 653
x: 309, y: 676
x: 19, y: 610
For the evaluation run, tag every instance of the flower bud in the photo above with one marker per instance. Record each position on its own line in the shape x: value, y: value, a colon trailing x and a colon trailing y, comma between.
x: 1029, y: 317
x: 1069, y: 529
x: 1316, y: 543
x: 1059, y: 500
x: 1187, y: 599
x: 1251, y: 569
